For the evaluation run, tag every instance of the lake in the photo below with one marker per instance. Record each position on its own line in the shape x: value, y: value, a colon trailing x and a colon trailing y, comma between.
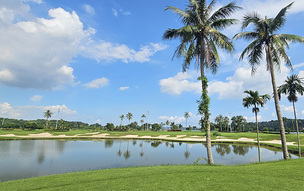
x: 30, y: 158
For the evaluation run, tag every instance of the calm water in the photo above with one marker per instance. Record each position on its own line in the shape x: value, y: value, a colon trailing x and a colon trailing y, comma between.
x: 30, y: 158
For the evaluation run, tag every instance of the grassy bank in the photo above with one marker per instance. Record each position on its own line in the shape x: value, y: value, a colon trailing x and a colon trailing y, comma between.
x: 279, y: 175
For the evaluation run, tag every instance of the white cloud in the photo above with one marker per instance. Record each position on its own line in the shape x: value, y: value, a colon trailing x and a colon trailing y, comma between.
x: 286, y: 108
x: 34, y: 1
x: 36, y: 97
x: 242, y: 80
x: 127, y: 13
x: 110, y: 52
x: 252, y: 119
x: 89, y: 9
x: 98, y: 83
x: 7, y: 110
x: 98, y: 121
x: 38, y: 52
x: 114, y: 12
x: 175, y: 119
x: 180, y: 83
x: 124, y: 88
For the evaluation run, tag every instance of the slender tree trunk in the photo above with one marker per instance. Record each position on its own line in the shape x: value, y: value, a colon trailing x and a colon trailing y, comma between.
x: 295, y: 114
x: 258, y: 137
x: 206, y: 115
x: 277, y: 106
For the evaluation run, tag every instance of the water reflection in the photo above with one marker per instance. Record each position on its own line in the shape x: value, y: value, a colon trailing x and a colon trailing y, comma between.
x: 29, y: 158
x: 155, y: 144
x: 127, y: 154
x: 223, y: 149
x: 109, y: 143
x: 187, y: 153
x: 240, y: 150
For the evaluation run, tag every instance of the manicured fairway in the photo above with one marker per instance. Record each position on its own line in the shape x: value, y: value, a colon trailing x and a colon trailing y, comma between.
x: 279, y: 175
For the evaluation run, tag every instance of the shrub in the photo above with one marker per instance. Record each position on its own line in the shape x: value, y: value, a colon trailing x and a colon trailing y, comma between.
x: 216, y: 134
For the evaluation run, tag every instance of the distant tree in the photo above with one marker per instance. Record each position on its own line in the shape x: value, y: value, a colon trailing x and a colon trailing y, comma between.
x: 255, y: 99
x: 167, y: 123
x: 293, y: 86
x: 30, y: 126
x: 47, y: 114
x: 143, y: 117
x: 121, y: 119
x: 110, y: 126
x: 226, y: 123
x: 219, y: 120
x: 238, y: 123
x: 156, y: 127
x: 129, y: 116
x: 186, y: 115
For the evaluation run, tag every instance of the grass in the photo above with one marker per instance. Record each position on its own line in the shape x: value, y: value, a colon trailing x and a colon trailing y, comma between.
x: 278, y: 175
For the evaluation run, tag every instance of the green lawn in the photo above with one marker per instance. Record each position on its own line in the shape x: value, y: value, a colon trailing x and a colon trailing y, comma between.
x: 279, y: 175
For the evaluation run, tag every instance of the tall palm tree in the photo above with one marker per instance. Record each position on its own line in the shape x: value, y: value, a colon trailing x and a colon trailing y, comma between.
x: 121, y: 119
x: 264, y: 38
x: 293, y: 86
x: 47, y: 114
x: 200, y: 38
x: 186, y: 115
x: 255, y: 99
x: 129, y: 116
x: 143, y: 117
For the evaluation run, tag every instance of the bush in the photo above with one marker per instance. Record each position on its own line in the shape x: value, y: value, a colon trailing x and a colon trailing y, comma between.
x: 30, y: 126
x: 216, y: 134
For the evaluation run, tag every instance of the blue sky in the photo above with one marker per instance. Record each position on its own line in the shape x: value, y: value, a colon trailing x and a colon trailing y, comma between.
x: 97, y: 60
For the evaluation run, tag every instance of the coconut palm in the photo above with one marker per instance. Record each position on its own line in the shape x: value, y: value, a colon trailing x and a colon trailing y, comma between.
x: 47, y: 114
x: 129, y: 116
x: 293, y: 86
x: 186, y: 115
x: 143, y: 117
x: 255, y: 99
x: 200, y: 38
x: 121, y: 119
x: 265, y: 39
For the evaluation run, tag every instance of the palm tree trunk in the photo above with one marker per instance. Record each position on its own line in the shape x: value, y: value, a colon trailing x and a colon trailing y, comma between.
x: 258, y: 137
x: 206, y: 115
x: 295, y: 114
x: 277, y: 106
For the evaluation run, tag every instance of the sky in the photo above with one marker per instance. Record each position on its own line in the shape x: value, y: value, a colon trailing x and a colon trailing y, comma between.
x: 93, y: 61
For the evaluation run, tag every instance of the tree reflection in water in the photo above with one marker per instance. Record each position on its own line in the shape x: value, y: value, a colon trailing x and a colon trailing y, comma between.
x: 109, y: 143
x: 127, y: 154
x: 187, y: 153
x: 223, y: 149
x: 240, y: 150
x: 142, y: 149
x: 155, y: 144
x: 119, y: 151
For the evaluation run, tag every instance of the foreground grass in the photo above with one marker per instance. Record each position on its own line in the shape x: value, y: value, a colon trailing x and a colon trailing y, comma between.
x: 279, y: 175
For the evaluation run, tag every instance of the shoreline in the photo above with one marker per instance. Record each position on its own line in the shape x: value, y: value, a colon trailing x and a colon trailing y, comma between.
x: 178, y: 138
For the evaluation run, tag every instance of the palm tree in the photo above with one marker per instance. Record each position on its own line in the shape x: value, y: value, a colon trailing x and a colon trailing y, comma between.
x: 219, y: 120
x: 254, y: 99
x: 265, y: 39
x: 47, y: 114
x: 186, y: 115
x: 199, y: 41
x: 129, y: 116
x: 167, y: 123
x: 292, y: 86
x: 143, y: 116
x: 121, y: 119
